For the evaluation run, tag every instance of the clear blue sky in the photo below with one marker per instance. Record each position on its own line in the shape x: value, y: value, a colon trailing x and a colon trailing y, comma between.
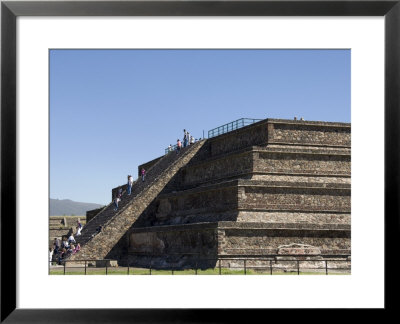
x: 111, y: 110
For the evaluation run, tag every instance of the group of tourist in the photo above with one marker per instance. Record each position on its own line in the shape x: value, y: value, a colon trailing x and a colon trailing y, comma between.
x: 187, y: 140
x: 66, y: 247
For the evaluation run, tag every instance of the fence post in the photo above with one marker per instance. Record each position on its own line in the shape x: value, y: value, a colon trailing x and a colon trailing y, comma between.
x: 219, y: 266
x: 172, y: 271
x: 85, y: 267
x: 106, y: 269
x: 128, y: 268
x: 150, y: 266
x: 245, y: 266
x: 298, y: 267
x: 270, y: 266
x: 326, y: 267
x: 64, y: 266
x: 195, y: 267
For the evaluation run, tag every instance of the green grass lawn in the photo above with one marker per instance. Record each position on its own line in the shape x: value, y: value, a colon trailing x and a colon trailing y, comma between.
x: 141, y: 271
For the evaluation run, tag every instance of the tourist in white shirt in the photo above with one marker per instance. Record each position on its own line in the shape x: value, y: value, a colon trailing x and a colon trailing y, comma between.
x: 130, y: 183
x: 65, y: 243
x: 50, y: 255
x: 71, y: 239
x: 116, y: 201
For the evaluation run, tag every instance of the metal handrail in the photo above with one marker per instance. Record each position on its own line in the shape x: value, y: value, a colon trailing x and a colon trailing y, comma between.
x: 174, y: 147
x: 229, y: 127
x: 218, y: 264
x: 236, y: 124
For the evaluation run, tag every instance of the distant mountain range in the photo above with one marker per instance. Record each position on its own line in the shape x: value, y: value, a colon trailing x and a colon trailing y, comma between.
x: 68, y: 207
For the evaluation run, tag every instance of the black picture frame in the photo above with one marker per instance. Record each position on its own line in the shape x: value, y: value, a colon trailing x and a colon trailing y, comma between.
x: 10, y: 10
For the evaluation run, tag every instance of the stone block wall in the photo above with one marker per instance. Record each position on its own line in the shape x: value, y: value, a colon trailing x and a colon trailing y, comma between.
x: 287, y: 177
x: 262, y: 151
x: 262, y: 163
x: 209, y: 204
x: 313, y: 133
x: 184, y: 245
x: 179, y: 239
x: 92, y: 213
x: 253, y: 241
x: 263, y: 239
x: 255, y: 134
x: 291, y: 198
x: 247, y: 215
x: 227, y: 166
x: 175, y: 246
x: 302, y: 163
x: 249, y: 200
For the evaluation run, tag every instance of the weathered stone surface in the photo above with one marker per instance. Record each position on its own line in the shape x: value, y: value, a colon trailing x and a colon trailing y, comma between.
x: 146, y: 243
x: 295, y: 198
x: 295, y: 248
x: 302, y: 163
x: 213, y: 169
x: 311, y: 133
x: 185, y: 242
x: 293, y: 217
x: 269, y: 176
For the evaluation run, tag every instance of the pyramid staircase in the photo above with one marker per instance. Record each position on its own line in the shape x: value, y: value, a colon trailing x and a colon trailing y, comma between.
x: 115, y: 223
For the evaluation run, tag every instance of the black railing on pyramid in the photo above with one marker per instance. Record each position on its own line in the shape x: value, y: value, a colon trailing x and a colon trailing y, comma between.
x: 229, y: 127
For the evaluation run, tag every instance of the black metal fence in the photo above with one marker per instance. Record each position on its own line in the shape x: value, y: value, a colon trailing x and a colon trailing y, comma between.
x: 242, y: 122
x: 266, y: 265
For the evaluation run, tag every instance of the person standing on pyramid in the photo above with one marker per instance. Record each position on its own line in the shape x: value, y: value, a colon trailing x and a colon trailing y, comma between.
x: 116, y: 201
x: 178, y: 145
x: 143, y: 172
x: 184, y: 138
x: 187, y: 138
x: 130, y: 183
